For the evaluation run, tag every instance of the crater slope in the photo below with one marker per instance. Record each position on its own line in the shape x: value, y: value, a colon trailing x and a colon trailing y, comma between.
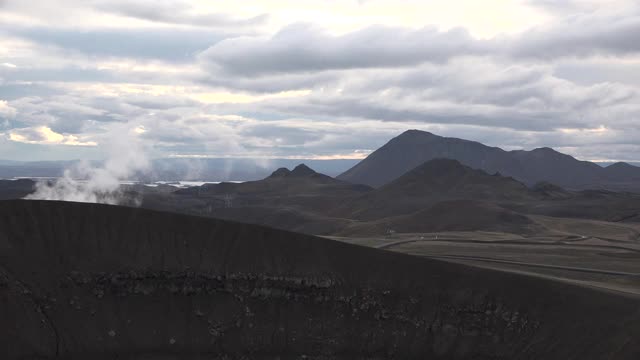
x: 81, y: 281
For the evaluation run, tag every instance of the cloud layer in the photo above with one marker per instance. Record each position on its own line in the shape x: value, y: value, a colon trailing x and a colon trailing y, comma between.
x: 338, y: 81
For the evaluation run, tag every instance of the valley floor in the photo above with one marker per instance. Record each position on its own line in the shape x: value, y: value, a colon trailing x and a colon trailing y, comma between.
x: 590, y: 253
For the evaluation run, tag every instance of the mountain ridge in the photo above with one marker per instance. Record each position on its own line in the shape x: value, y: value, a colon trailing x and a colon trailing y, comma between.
x: 414, y: 147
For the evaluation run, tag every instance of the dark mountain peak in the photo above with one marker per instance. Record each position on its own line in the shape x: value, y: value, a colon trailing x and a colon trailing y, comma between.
x: 442, y: 166
x: 442, y: 171
x: 622, y: 171
x: 552, y: 154
x: 414, y: 136
x: 416, y: 133
x: 413, y: 148
x: 545, y: 151
x: 436, y: 180
x: 281, y: 172
x: 449, y: 172
x: 621, y: 165
x: 302, y: 170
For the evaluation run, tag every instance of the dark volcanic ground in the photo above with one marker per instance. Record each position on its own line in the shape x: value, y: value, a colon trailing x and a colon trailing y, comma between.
x: 86, y: 281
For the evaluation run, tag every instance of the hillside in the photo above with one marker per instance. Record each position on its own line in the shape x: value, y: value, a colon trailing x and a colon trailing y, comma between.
x: 298, y: 200
x: 16, y: 189
x: 92, y: 281
x: 457, y: 215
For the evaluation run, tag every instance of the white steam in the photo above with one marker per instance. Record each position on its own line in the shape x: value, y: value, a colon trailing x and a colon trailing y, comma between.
x: 86, y: 183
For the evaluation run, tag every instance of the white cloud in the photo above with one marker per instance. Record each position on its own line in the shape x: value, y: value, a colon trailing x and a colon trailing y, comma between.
x: 6, y: 110
x: 44, y: 135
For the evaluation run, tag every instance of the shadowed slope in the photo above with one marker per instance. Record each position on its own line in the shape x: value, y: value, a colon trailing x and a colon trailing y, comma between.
x: 92, y: 281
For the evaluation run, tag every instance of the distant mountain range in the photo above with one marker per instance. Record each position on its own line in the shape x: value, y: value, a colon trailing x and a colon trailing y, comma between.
x: 439, y: 195
x: 400, y: 155
x: 413, y: 148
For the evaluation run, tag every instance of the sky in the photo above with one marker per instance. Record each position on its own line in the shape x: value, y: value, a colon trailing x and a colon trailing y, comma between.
x: 321, y: 79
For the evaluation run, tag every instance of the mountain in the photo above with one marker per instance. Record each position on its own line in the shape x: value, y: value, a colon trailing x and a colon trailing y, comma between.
x: 301, y: 181
x: 432, y: 182
x: 622, y: 170
x: 87, y: 281
x: 298, y: 200
x: 303, y: 200
x: 546, y: 164
x: 449, y: 178
x: 415, y: 147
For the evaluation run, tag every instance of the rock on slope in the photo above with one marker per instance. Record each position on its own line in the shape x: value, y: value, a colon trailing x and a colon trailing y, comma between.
x: 86, y: 281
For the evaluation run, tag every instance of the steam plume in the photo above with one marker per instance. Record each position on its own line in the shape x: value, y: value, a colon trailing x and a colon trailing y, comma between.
x: 126, y: 158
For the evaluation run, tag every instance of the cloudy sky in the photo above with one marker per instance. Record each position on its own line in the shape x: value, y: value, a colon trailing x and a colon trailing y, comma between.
x: 317, y: 78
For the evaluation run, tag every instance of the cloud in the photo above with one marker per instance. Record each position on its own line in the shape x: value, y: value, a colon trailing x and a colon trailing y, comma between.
x: 177, y: 12
x: 165, y: 44
x: 6, y: 111
x: 563, y: 6
x: 210, y: 84
x: 465, y: 98
x: 305, y: 48
x: 44, y: 135
x: 580, y: 36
